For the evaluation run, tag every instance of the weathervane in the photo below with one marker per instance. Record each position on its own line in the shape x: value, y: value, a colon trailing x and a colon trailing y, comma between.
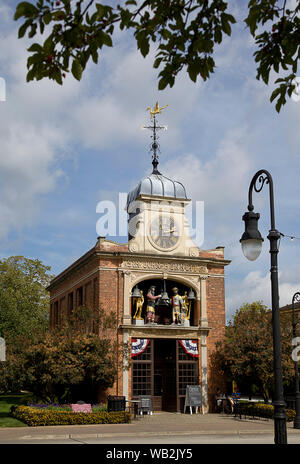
x: 155, y: 145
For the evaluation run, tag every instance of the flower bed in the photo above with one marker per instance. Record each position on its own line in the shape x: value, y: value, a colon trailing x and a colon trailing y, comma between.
x: 34, y: 416
x: 64, y: 407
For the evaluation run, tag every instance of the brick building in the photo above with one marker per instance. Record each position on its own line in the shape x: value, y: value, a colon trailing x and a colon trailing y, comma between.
x: 166, y: 355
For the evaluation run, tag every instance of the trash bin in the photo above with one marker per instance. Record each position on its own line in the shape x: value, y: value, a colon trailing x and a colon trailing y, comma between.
x: 115, y: 403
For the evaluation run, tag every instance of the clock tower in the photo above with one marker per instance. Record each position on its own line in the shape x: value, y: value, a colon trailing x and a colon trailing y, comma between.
x: 168, y: 296
x: 156, y: 210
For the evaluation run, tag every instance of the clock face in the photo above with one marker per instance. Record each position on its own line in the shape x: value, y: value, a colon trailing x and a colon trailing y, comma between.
x: 164, y: 232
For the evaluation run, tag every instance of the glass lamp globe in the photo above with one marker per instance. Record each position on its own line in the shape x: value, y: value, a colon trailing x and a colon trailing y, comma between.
x: 251, y: 248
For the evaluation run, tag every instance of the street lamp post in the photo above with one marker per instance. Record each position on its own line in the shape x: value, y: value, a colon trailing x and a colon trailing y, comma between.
x: 296, y: 297
x: 251, y: 245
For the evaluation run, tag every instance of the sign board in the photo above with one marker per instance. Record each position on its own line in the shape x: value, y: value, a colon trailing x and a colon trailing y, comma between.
x: 81, y: 407
x: 2, y: 349
x: 193, y: 398
x: 145, y: 403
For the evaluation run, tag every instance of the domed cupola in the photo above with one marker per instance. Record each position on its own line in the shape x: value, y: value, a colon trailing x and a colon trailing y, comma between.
x: 157, y: 185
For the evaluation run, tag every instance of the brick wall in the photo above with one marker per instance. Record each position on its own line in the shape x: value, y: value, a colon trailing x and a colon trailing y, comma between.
x: 216, y: 320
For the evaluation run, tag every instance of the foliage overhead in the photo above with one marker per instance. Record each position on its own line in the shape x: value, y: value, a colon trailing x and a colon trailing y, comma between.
x: 184, y: 32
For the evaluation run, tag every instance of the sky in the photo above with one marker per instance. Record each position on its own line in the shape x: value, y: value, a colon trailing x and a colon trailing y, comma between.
x: 65, y: 148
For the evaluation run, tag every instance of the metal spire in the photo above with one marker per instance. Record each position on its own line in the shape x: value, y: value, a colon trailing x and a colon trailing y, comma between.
x: 155, y: 127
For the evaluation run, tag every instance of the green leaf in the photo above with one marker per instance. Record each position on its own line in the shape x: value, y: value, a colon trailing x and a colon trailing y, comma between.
x: 25, y: 9
x: 33, y: 31
x: 35, y: 48
x: 226, y: 27
x: 143, y: 45
x: 281, y: 101
x: 47, y: 17
x: 193, y: 71
x: 251, y: 23
x: 58, y: 78
x: 106, y: 38
x: 100, y: 10
x: 94, y: 54
x: 275, y: 94
x: 77, y: 69
x: 30, y: 75
x: 49, y: 44
x: 23, y: 29
x: 218, y: 35
x: 162, y: 84
x: 157, y: 63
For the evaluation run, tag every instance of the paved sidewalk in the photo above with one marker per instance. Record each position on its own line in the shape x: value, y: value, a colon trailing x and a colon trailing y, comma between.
x: 159, y: 424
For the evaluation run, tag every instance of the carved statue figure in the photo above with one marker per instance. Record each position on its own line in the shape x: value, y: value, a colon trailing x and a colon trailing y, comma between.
x: 139, y: 306
x: 157, y: 109
x: 185, y: 312
x: 177, y: 306
x: 151, y: 299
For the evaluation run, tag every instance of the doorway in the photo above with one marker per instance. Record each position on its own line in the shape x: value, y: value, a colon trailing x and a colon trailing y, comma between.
x: 163, y: 369
x: 165, y: 373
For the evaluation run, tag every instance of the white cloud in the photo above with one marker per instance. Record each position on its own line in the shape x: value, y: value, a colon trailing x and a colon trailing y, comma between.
x: 256, y: 286
x: 220, y: 180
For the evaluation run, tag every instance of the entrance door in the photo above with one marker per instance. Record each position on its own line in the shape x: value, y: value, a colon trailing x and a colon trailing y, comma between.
x: 165, y: 365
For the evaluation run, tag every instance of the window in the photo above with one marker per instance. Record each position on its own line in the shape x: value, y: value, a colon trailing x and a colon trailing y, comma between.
x: 95, y: 293
x: 70, y: 303
x: 142, y: 372
x: 79, y: 296
x: 187, y: 370
x: 56, y: 319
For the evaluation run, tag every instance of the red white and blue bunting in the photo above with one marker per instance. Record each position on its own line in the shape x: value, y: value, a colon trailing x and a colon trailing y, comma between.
x: 138, y: 346
x: 190, y: 347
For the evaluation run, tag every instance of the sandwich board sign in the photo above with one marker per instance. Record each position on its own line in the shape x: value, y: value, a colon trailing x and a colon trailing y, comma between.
x: 193, y: 398
x: 145, y: 404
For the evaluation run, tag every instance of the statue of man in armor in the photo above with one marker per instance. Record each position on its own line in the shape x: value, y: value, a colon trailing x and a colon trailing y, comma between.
x: 177, y: 306
x: 151, y: 299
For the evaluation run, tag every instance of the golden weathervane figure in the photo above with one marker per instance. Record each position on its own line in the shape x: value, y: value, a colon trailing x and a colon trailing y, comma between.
x: 155, y: 127
x: 156, y: 110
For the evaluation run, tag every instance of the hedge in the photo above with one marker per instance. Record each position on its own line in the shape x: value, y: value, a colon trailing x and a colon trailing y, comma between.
x: 263, y: 410
x: 34, y: 417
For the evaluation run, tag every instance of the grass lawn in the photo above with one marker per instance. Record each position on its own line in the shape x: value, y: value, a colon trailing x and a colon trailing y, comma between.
x: 6, y: 401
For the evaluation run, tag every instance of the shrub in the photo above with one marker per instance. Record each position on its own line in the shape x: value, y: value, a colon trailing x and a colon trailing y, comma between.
x: 37, y: 416
x: 264, y: 410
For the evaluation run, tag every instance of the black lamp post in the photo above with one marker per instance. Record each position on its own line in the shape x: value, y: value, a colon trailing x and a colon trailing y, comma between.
x: 296, y: 297
x: 251, y: 245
